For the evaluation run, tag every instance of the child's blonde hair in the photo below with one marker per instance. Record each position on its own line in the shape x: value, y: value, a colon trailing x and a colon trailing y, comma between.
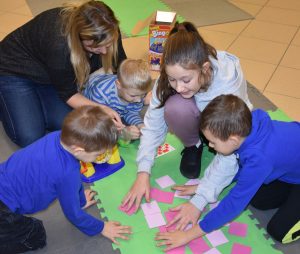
x: 135, y: 74
x: 90, y: 20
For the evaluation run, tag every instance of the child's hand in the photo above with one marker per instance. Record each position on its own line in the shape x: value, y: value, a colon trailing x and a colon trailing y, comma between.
x: 188, y: 213
x: 178, y: 238
x: 140, y: 188
x: 89, y: 196
x: 185, y: 190
x: 134, y: 131
x: 114, y: 229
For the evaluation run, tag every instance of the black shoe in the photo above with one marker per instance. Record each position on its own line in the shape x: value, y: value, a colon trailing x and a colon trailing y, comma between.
x: 190, y: 165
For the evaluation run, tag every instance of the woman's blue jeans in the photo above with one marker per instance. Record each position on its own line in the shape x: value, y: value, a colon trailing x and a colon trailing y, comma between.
x: 29, y: 110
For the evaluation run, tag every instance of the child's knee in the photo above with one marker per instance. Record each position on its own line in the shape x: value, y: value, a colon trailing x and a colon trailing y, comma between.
x: 36, y: 238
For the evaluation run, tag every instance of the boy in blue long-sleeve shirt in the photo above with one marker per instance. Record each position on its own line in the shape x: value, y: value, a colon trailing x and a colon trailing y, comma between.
x: 268, y: 176
x: 33, y: 177
x: 123, y: 92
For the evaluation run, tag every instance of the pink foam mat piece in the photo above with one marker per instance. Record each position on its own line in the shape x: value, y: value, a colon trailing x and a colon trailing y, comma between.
x: 238, y: 229
x: 238, y: 248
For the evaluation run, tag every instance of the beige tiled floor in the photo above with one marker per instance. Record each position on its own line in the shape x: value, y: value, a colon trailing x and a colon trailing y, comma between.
x: 268, y: 45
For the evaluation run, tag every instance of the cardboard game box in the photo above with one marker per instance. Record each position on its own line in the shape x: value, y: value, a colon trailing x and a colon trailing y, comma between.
x: 160, y: 23
x: 159, y: 29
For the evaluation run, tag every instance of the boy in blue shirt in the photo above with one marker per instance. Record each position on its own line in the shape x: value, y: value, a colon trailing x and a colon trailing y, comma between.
x: 268, y: 176
x: 124, y: 92
x: 33, y: 177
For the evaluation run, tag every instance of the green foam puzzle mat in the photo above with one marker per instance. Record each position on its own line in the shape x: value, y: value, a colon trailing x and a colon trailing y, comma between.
x: 129, y: 12
x: 112, y: 189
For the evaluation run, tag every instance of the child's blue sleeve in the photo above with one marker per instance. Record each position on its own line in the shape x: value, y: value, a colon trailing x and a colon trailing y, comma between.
x: 70, y: 198
x: 82, y: 196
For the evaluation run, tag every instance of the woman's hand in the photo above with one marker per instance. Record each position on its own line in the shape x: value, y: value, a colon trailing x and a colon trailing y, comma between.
x: 140, y: 188
x: 114, y: 115
x: 78, y: 100
x: 187, y: 213
x: 89, y: 196
x: 114, y: 229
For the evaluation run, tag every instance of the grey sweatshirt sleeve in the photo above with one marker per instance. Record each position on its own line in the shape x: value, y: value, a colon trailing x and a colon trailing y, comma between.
x: 153, y: 134
x: 217, y: 176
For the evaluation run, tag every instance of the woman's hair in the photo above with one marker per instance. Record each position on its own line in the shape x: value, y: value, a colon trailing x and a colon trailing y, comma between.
x: 135, y: 74
x: 185, y: 47
x: 92, y: 20
x: 90, y: 128
x: 226, y: 115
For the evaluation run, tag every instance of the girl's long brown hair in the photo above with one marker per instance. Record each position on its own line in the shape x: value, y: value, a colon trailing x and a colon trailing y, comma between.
x: 185, y: 47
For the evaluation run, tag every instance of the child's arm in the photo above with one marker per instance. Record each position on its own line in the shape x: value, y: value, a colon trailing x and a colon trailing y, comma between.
x: 218, y: 175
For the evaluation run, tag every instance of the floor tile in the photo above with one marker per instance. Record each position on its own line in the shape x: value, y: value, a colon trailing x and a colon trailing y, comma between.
x: 23, y: 10
x: 219, y: 40
x: 258, y: 50
x: 285, y: 81
x: 256, y: 2
x: 286, y: 4
x: 136, y: 47
x: 290, y: 106
x: 296, y: 40
x: 270, y: 31
x: 231, y: 28
x: 279, y: 16
x: 9, y: 5
x: 12, y: 21
x: 257, y: 73
x: 2, y: 35
x: 292, y: 57
x: 251, y: 8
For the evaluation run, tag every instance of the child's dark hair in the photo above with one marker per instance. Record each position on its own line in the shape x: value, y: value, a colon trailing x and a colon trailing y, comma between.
x: 185, y: 47
x: 89, y: 128
x: 226, y: 115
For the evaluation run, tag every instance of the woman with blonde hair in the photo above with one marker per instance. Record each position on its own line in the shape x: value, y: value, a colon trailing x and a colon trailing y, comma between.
x: 44, y: 63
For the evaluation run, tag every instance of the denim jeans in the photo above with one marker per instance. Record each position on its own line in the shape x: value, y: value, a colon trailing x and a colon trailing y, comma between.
x: 29, y: 109
x: 19, y: 233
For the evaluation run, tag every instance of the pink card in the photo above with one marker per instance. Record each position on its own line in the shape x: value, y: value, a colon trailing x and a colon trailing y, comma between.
x: 131, y: 211
x: 213, y: 251
x: 163, y: 229
x: 165, y: 181
x: 162, y: 196
x: 238, y: 248
x: 238, y: 229
x: 198, y: 245
x: 178, y: 250
x: 170, y: 215
x: 155, y: 220
x: 216, y: 238
x: 150, y: 208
